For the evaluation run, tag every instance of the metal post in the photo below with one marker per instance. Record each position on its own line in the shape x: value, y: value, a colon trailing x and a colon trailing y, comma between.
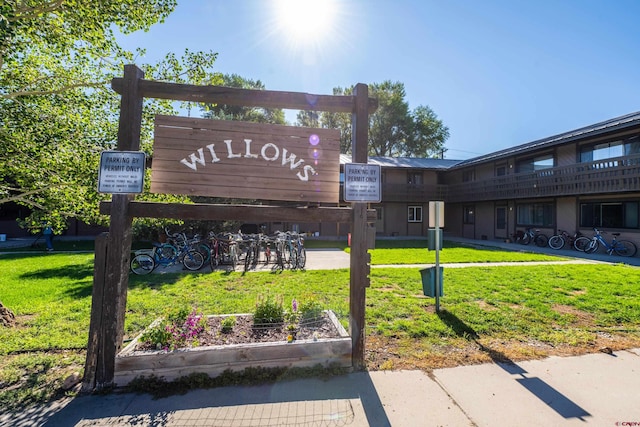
x: 437, y: 243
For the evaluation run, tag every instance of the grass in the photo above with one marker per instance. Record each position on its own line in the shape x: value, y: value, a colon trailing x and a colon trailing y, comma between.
x: 488, y: 313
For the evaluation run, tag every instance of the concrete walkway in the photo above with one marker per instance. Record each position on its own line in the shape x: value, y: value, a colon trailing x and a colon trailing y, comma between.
x: 596, y: 390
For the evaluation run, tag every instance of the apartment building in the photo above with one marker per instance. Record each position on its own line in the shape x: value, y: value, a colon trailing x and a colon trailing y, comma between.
x: 574, y: 181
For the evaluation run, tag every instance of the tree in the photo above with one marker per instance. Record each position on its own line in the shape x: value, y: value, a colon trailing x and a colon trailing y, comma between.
x: 241, y: 113
x: 394, y: 130
x: 308, y: 118
x: 57, y: 109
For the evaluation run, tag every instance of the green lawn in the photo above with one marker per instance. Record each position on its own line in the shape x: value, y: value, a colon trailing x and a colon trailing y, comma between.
x: 551, y: 306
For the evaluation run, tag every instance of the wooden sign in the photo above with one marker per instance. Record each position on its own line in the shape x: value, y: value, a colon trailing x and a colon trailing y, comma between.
x: 242, y: 160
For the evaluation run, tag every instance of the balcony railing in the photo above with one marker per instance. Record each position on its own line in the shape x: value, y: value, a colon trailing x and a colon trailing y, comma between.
x: 615, y: 175
x: 416, y: 193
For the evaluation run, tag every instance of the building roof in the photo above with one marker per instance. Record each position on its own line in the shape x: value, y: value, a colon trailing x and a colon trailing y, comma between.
x: 615, y: 124
x: 406, y: 162
x: 611, y: 125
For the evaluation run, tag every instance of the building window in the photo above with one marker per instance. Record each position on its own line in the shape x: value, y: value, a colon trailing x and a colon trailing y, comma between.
x: 607, y: 150
x: 610, y: 215
x: 469, y: 215
x: 469, y: 175
x: 415, y: 213
x: 535, y: 164
x: 414, y: 178
x: 535, y: 214
x: 501, y: 170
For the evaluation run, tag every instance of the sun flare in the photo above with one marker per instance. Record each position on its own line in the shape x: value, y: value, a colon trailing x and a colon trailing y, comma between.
x: 306, y: 21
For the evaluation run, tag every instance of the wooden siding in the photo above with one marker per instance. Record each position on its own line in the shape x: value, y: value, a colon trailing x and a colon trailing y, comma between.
x: 412, y: 193
x: 615, y: 175
x: 245, y: 160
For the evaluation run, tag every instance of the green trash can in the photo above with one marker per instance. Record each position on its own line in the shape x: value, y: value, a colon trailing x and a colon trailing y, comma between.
x: 429, y: 281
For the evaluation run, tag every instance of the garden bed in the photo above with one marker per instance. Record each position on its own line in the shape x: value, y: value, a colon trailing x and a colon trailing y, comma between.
x: 325, y: 342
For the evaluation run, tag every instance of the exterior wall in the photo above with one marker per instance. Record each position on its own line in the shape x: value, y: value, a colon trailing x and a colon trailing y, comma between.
x: 566, y: 155
x: 395, y: 176
x: 395, y: 219
x: 567, y: 214
x: 486, y: 171
x: 484, y: 220
x: 453, y: 219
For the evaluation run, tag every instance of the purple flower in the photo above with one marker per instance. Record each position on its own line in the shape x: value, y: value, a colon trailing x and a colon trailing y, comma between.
x: 294, y: 305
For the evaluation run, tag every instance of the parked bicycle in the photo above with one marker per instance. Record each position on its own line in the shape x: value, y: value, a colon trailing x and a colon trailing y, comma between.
x: 224, y: 250
x: 166, y: 254
x: 558, y: 241
x: 623, y: 248
x: 290, y: 251
x: 531, y: 235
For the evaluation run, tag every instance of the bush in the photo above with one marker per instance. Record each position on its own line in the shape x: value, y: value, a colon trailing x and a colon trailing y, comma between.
x: 228, y: 323
x: 180, y: 328
x: 268, y: 311
x: 310, y: 310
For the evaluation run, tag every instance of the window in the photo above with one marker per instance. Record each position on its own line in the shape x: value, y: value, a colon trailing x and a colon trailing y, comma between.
x: 414, y: 178
x: 415, y: 213
x: 501, y: 170
x: 535, y: 164
x: 469, y: 215
x: 468, y: 176
x: 609, y: 215
x: 535, y: 214
x: 610, y: 149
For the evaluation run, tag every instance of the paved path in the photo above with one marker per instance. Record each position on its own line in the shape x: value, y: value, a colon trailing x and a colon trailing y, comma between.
x: 593, y: 390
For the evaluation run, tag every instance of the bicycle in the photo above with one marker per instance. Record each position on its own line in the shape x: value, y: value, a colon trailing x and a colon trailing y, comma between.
x: 165, y: 254
x: 558, y: 241
x: 251, y: 250
x: 531, y: 235
x: 623, y: 248
x: 224, y: 250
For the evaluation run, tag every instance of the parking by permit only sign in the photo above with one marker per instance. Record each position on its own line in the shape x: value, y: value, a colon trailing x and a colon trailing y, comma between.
x: 362, y: 183
x: 121, y: 172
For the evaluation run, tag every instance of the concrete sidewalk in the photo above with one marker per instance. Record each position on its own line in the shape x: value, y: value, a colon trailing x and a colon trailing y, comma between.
x: 596, y: 389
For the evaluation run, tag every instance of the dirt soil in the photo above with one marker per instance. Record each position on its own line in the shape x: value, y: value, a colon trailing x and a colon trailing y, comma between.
x: 382, y: 353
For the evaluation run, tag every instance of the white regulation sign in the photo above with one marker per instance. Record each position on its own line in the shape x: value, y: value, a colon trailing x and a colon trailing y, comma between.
x: 362, y: 183
x: 121, y: 172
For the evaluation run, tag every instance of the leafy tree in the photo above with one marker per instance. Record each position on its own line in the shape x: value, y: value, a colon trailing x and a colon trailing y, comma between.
x: 57, y: 109
x: 394, y: 129
x: 308, y: 118
x: 242, y: 113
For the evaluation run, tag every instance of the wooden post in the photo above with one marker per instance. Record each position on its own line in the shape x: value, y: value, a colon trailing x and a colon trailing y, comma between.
x: 95, y: 326
x: 359, y: 261
x: 119, y: 247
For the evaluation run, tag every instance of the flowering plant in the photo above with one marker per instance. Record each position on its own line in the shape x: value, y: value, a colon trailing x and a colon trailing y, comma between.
x: 179, y: 329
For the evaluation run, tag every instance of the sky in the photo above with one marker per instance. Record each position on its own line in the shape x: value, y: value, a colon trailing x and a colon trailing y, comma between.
x: 497, y: 73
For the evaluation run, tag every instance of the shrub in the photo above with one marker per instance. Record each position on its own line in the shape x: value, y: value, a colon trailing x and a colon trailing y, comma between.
x: 310, y: 310
x: 268, y: 311
x: 228, y: 323
x: 180, y: 328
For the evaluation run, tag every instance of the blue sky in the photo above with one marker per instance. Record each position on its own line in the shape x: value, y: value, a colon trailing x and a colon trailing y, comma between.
x: 498, y: 73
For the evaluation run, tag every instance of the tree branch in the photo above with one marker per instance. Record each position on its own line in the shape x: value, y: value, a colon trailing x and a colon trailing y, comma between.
x: 52, y: 92
x: 27, y: 12
x: 21, y: 197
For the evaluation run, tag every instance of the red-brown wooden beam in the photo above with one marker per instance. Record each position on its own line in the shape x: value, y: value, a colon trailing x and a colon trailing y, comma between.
x: 260, y: 213
x: 245, y: 97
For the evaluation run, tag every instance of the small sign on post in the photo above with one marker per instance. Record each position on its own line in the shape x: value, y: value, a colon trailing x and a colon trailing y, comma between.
x: 121, y: 172
x: 436, y: 220
x: 362, y: 183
